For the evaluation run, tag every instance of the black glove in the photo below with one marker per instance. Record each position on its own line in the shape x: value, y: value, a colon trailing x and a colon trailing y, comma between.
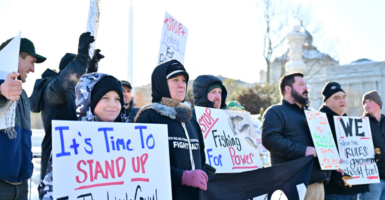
x: 84, y: 44
x: 210, y: 170
x: 341, y: 180
x: 93, y: 64
x: 377, y: 154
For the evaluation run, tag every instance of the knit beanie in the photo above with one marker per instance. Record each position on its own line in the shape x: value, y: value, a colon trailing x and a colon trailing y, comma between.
x: 176, y: 69
x: 330, y: 89
x: 372, y: 95
x: 213, y: 87
x: 105, y: 85
x: 67, y: 58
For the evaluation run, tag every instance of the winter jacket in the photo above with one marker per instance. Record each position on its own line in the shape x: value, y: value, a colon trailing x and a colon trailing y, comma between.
x: 201, y: 85
x: 165, y: 110
x: 286, y: 135
x: 54, y: 96
x: 16, y: 154
x: 83, y: 91
x: 131, y: 111
x: 332, y: 187
x: 378, y: 135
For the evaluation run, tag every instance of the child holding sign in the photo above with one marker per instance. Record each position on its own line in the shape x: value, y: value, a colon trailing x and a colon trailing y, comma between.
x: 99, y: 97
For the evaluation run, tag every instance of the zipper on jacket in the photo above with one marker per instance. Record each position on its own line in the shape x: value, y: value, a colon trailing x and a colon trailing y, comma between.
x: 189, y: 147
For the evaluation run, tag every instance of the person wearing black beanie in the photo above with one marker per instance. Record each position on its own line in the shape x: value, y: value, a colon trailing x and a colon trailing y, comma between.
x: 334, y: 98
x: 101, y: 88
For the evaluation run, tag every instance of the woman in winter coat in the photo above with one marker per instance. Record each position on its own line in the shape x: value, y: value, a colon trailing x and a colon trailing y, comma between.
x: 99, y: 97
x: 187, y: 158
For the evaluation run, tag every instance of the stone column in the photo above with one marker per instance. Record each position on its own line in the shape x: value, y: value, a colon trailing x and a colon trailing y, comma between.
x: 296, y: 38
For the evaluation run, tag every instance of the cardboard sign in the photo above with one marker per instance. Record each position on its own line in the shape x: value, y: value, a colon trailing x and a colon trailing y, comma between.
x: 173, y: 41
x: 93, y: 23
x: 102, y: 160
x: 323, y: 140
x: 9, y: 62
x: 257, y: 126
x: 355, y: 145
x: 230, y: 140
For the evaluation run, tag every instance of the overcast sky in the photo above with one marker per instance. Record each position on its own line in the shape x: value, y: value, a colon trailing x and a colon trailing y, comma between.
x: 225, y: 37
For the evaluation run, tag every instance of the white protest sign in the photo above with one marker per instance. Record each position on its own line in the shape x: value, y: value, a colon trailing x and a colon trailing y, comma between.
x: 9, y: 62
x: 102, y: 160
x: 93, y: 23
x: 257, y: 126
x: 355, y: 145
x: 173, y: 41
x: 230, y: 140
x: 323, y: 140
x: 9, y: 57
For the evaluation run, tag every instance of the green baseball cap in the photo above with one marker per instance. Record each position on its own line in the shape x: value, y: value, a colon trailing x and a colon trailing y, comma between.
x: 234, y: 104
x: 26, y: 46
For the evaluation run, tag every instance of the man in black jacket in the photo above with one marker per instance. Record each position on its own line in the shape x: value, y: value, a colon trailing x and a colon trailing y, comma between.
x: 335, y: 105
x: 372, y: 104
x: 54, y: 94
x: 286, y: 135
x: 129, y: 101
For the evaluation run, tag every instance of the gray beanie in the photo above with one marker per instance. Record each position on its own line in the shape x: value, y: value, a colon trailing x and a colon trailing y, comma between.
x: 372, y: 95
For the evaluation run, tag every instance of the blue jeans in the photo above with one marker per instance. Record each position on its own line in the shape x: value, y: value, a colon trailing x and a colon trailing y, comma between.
x: 376, y: 191
x: 341, y: 197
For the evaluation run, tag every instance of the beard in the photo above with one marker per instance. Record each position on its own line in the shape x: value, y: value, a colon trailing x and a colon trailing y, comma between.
x: 304, y: 101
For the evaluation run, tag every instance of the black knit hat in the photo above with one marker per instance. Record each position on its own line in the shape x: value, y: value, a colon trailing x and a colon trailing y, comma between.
x: 66, y: 60
x: 126, y: 83
x: 330, y: 89
x: 105, y: 85
x: 176, y: 69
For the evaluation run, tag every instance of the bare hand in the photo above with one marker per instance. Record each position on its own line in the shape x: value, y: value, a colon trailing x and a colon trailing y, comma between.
x: 341, y: 171
x: 11, y: 88
x: 310, y: 151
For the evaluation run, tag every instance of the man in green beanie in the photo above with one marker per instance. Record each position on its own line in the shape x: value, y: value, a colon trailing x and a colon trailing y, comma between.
x: 15, y: 142
x: 235, y: 105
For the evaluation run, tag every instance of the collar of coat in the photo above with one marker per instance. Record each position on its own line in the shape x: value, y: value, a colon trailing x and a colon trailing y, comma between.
x: 173, y: 109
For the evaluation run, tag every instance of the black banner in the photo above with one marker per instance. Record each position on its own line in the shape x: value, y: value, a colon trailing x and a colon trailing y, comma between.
x: 248, y: 185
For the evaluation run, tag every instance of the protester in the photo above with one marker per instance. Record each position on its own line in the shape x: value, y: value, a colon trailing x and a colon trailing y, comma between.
x: 209, y: 92
x: 335, y: 105
x: 285, y: 132
x: 129, y: 101
x: 103, y: 102
x: 372, y: 104
x: 187, y: 158
x: 15, y: 142
x: 235, y: 105
x: 54, y: 95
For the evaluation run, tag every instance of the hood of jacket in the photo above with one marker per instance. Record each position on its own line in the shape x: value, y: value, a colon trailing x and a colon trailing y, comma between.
x: 36, y: 99
x: 83, y: 97
x: 201, y: 85
x: 159, y: 84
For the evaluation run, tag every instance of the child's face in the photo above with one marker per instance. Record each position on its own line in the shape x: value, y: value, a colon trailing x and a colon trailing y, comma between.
x: 108, y: 108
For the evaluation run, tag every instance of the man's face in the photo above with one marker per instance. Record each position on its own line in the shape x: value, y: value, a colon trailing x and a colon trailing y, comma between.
x: 337, y: 103
x: 127, y: 95
x: 25, y: 66
x: 215, y: 95
x: 299, y: 91
x: 371, y: 107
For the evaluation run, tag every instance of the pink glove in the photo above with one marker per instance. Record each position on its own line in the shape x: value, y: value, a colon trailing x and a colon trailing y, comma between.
x: 195, y: 178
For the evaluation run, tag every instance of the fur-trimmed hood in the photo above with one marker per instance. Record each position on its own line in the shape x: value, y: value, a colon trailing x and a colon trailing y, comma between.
x: 83, y: 92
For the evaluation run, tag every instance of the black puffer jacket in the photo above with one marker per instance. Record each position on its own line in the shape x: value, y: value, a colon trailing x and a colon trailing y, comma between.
x: 54, y: 97
x: 178, y: 142
x: 286, y: 135
x: 378, y: 135
x: 201, y: 85
x: 332, y: 187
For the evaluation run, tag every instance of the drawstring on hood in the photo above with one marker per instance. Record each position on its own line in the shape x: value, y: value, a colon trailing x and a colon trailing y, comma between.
x: 83, y: 97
